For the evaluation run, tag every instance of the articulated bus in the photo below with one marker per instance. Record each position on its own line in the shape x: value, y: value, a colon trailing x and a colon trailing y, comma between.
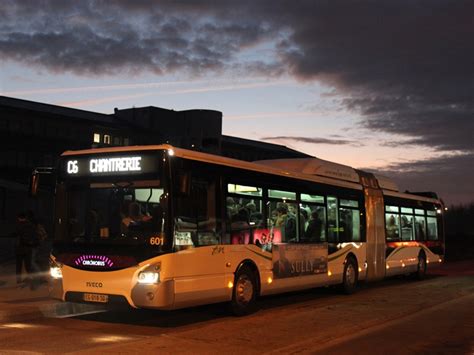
x: 161, y: 227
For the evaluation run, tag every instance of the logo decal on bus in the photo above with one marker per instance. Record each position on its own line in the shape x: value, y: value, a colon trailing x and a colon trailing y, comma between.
x: 94, y: 284
x: 94, y: 260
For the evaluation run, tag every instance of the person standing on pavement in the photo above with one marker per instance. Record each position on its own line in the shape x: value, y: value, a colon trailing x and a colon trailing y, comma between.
x: 40, y: 257
x: 26, y: 244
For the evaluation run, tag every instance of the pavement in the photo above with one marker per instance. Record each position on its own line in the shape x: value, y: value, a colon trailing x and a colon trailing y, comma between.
x: 20, y: 303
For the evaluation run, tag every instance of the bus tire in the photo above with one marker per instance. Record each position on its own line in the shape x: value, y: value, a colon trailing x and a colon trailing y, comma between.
x: 244, y: 293
x: 350, y: 276
x: 420, y: 273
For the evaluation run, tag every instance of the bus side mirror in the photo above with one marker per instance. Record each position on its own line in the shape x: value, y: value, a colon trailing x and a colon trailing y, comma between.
x: 34, y: 183
x: 49, y: 180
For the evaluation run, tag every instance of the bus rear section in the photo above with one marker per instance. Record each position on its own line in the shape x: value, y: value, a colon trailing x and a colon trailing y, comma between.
x: 414, y: 234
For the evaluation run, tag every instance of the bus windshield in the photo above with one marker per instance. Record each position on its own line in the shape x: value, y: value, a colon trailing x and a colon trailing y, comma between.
x: 127, y: 212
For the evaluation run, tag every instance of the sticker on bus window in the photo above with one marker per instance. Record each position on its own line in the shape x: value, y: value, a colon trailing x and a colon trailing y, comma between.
x: 183, y: 239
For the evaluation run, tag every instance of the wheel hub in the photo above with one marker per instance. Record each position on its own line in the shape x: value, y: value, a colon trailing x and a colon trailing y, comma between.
x: 244, y: 290
x: 421, y: 265
x: 350, y: 274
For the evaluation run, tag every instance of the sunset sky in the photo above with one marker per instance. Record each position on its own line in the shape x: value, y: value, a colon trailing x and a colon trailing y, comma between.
x: 380, y: 85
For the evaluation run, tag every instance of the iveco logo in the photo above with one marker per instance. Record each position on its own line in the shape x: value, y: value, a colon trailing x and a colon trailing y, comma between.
x: 93, y: 284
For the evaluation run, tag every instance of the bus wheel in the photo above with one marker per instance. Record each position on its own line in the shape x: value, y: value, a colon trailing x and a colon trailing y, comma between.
x: 349, y: 280
x: 421, y: 267
x: 244, y: 294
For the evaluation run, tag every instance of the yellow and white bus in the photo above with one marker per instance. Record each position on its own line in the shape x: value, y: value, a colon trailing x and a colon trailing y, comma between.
x: 164, y: 228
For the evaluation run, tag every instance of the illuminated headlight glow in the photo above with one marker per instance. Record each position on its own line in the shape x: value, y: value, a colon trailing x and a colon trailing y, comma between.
x: 148, y: 277
x: 56, y: 272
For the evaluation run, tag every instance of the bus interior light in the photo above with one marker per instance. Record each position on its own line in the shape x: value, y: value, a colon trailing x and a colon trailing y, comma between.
x: 148, y: 277
x: 170, y: 152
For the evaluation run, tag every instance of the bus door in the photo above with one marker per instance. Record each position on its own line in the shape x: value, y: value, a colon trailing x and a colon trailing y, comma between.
x: 200, y: 260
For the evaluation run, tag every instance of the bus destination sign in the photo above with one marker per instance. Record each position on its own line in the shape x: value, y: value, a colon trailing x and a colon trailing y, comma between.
x: 109, y: 165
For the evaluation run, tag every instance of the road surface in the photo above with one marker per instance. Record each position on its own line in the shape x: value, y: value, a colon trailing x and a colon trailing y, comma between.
x: 395, y: 316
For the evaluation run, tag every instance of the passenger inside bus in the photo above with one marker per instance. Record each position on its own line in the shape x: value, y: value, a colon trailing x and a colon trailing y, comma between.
x: 93, y: 220
x: 133, y: 217
x: 232, y: 208
x: 255, y: 217
x: 154, y: 223
x: 314, y: 231
x: 392, y: 229
x: 240, y: 227
x: 407, y: 227
x: 286, y: 222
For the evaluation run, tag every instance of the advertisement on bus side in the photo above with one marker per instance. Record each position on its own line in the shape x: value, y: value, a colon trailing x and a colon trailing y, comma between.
x: 290, y: 260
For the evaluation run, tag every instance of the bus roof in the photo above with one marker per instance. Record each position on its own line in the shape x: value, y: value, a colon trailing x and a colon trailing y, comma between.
x: 310, y: 169
x: 219, y: 160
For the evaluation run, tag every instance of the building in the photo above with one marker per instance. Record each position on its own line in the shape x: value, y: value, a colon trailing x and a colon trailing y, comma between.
x: 35, y: 134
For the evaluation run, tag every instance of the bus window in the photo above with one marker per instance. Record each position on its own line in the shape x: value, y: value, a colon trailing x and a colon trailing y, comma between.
x: 432, y: 228
x: 333, y: 223
x: 349, y: 203
x: 420, y: 228
x: 244, y: 213
x: 349, y: 225
x: 283, y: 195
x: 195, y: 219
x: 395, y: 209
x: 407, y: 227
x: 244, y: 190
x: 392, y: 226
x: 312, y: 198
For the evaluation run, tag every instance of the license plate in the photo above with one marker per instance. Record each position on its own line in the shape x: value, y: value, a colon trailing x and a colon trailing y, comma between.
x: 95, y: 297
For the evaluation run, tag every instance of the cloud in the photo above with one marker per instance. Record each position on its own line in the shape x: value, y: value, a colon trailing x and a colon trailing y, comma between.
x: 406, y: 69
x: 445, y: 175
x: 283, y: 114
x: 313, y: 140
x: 99, y: 38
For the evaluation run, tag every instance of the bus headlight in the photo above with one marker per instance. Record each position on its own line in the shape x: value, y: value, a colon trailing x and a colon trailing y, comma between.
x: 56, y: 272
x: 55, y: 268
x: 146, y: 277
